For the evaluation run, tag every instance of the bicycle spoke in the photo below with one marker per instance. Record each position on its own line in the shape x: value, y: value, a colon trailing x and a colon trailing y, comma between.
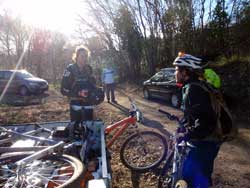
x: 143, y: 151
x: 37, y: 174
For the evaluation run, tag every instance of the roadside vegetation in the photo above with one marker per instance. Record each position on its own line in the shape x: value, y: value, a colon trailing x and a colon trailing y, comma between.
x: 136, y: 38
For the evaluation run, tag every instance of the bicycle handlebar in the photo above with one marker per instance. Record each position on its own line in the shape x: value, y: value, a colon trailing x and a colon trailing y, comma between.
x: 170, y: 116
x: 138, y: 113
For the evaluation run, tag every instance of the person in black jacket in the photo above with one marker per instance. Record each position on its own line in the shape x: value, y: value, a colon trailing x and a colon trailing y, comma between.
x: 200, y: 121
x: 77, y: 83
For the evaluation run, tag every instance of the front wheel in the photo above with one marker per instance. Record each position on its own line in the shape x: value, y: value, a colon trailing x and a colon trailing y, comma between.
x: 181, y: 184
x: 23, y: 91
x: 143, y: 151
x: 146, y: 93
x: 52, y: 171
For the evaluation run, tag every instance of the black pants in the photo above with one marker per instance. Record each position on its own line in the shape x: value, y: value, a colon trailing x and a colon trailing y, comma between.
x: 110, y: 89
x: 81, y: 115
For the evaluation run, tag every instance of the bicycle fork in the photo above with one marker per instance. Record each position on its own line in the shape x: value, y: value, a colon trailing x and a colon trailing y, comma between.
x: 178, y: 160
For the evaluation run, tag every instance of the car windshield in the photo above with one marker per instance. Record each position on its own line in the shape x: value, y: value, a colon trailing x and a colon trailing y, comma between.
x: 157, y: 77
x: 24, y: 75
x: 169, y: 70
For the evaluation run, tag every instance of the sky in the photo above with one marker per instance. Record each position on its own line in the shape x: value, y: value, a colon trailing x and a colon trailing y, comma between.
x: 55, y: 15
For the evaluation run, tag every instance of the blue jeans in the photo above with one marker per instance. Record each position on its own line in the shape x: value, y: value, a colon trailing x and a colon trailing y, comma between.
x: 198, y: 166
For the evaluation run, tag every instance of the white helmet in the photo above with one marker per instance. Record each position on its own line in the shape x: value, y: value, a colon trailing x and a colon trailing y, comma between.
x: 188, y: 60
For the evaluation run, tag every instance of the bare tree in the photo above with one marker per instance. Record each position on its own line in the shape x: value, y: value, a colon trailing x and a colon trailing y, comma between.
x: 20, y: 36
x: 6, y: 40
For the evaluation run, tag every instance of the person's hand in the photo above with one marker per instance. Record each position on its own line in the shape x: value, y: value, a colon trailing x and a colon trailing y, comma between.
x: 180, y: 135
x: 83, y: 93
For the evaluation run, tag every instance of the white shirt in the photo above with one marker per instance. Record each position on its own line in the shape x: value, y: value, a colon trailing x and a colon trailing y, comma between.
x: 108, y: 76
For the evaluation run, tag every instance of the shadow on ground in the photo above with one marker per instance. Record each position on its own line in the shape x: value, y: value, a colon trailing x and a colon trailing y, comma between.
x: 17, y: 100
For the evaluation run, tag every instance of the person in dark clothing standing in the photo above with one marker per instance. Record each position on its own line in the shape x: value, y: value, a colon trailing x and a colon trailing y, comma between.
x: 76, y: 84
x: 200, y: 121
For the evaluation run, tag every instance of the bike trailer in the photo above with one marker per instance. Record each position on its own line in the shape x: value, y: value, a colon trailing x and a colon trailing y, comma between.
x: 93, y: 153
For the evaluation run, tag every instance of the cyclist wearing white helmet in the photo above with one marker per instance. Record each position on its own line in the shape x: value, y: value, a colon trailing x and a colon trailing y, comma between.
x: 200, y: 120
x: 188, y: 61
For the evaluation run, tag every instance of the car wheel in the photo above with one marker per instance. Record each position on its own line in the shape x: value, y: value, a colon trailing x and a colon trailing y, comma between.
x: 146, y: 93
x: 175, y: 100
x: 23, y: 91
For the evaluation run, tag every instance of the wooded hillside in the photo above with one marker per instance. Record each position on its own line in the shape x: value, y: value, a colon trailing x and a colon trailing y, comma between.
x: 137, y: 37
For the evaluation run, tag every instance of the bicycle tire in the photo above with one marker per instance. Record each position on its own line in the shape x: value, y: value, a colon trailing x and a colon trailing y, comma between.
x: 139, y: 154
x: 7, y: 174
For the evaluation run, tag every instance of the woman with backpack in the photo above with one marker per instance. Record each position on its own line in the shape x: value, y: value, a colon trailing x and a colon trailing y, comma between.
x: 200, y: 120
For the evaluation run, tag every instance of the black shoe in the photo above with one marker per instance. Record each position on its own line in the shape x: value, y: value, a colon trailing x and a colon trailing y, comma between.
x: 108, y: 101
x: 114, y: 101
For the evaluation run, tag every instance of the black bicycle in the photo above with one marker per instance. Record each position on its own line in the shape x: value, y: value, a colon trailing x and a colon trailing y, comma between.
x: 171, y: 174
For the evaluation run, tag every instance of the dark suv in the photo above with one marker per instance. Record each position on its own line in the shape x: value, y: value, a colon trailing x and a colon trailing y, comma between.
x: 163, y: 85
x: 23, y: 83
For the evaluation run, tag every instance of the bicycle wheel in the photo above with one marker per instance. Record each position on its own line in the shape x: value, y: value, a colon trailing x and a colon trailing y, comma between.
x: 143, y: 151
x: 48, y: 172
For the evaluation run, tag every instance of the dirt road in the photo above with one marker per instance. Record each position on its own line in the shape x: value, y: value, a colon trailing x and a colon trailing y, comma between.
x: 232, y: 166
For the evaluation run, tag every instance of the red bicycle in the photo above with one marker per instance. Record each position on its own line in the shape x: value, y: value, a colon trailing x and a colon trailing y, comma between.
x: 143, y: 150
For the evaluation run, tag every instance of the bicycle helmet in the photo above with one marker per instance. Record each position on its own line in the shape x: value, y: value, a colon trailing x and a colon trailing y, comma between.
x: 187, y: 60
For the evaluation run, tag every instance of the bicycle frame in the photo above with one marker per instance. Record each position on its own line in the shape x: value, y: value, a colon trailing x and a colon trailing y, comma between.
x: 123, y: 124
x: 178, y: 151
x: 134, y: 116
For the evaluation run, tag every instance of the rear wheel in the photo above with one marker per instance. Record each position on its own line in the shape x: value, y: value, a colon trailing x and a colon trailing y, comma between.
x: 52, y: 171
x: 143, y: 151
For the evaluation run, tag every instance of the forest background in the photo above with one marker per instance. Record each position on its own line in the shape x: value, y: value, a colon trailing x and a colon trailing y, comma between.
x: 137, y: 38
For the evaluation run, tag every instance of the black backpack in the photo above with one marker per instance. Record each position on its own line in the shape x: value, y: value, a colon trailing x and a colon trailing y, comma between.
x: 226, y: 129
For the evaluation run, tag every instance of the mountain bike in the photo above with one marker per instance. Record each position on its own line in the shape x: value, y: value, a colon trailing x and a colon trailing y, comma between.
x: 143, y: 150
x: 178, y: 149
